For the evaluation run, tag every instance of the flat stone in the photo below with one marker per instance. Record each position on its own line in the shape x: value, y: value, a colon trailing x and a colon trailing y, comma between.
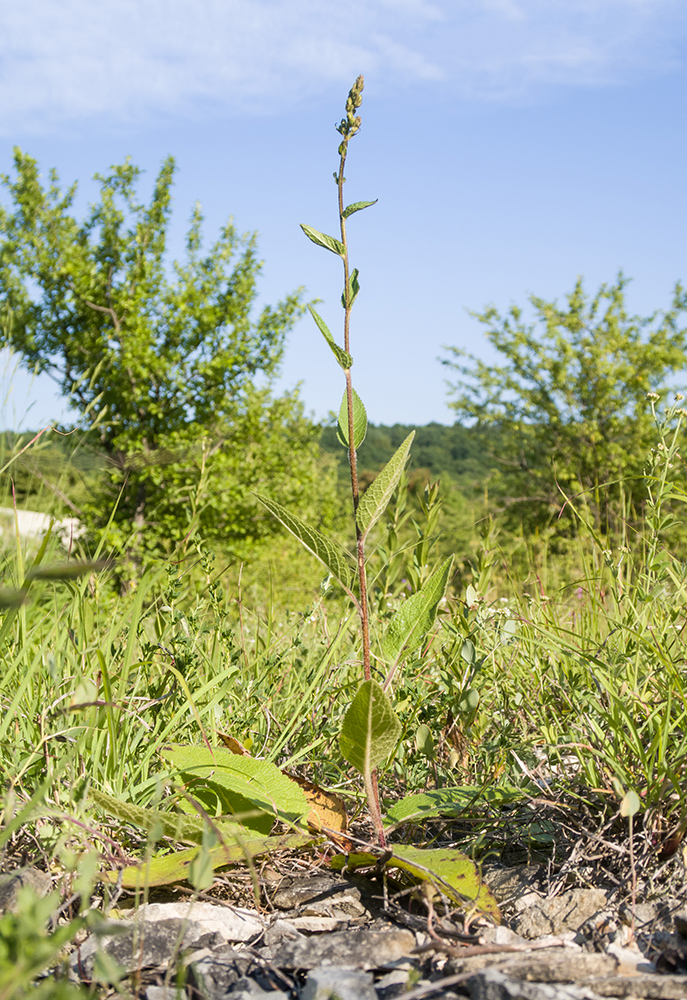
x: 231, y: 924
x: 492, y: 984
x: 357, y: 949
x: 11, y: 883
x: 546, y: 965
x: 508, y: 884
x: 651, y: 987
x: 135, y: 945
x: 282, y: 930
x: 294, y: 893
x: 333, y: 982
x: 566, y: 912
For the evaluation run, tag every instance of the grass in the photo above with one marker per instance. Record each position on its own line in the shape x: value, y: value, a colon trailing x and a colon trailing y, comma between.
x: 579, y: 691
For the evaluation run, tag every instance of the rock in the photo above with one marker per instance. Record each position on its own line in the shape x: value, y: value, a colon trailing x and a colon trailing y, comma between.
x: 248, y: 989
x: 215, y: 973
x: 358, y: 949
x: 11, y: 883
x: 508, y: 884
x: 134, y: 945
x: 491, y: 984
x: 279, y: 931
x: 162, y: 993
x: 231, y: 924
x: 547, y: 965
x: 630, y: 960
x: 293, y: 893
x: 566, y: 912
x: 161, y: 931
x: 333, y: 982
x: 650, y: 987
x: 396, y: 982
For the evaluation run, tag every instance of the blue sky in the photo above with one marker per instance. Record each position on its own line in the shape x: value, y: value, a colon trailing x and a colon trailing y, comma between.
x: 513, y: 145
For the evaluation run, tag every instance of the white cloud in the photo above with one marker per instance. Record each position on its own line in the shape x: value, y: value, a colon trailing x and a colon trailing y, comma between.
x: 130, y: 60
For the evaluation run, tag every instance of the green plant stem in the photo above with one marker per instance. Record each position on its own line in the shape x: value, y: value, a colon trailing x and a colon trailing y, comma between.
x: 352, y: 455
x: 371, y: 785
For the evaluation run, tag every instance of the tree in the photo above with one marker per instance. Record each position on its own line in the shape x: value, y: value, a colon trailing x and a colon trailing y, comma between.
x: 162, y: 358
x: 566, y: 412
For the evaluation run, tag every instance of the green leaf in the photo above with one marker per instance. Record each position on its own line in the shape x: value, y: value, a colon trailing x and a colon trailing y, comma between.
x: 454, y: 801
x: 243, y: 784
x: 374, y: 500
x: 177, y: 826
x: 353, y: 288
x: 416, y: 615
x: 327, y: 551
x: 448, y: 870
x: 370, y: 729
x: 424, y: 743
x: 359, y: 421
x: 343, y: 357
x: 176, y: 867
x: 357, y: 206
x: 322, y: 240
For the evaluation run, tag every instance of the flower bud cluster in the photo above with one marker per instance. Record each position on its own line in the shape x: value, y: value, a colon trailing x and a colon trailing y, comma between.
x: 349, y: 125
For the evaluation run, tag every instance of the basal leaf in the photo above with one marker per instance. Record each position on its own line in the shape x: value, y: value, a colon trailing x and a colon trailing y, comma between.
x: 359, y: 421
x: 343, y: 357
x: 416, y: 615
x: 448, y: 870
x: 370, y: 729
x: 177, y: 826
x: 244, y: 784
x: 357, y: 206
x: 322, y: 240
x: 176, y: 867
x: 374, y: 500
x: 327, y: 551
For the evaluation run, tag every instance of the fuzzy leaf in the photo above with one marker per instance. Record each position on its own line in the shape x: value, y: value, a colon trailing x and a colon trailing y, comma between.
x: 370, y: 729
x: 374, y: 500
x: 177, y: 867
x: 327, y: 551
x: 243, y: 784
x: 322, y: 240
x: 177, y: 826
x: 448, y: 870
x: 357, y: 206
x: 416, y: 615
x: 343, y: 357
x: 359, y: 421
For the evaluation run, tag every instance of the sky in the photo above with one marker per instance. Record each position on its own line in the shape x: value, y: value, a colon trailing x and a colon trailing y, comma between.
x: 513, y: 145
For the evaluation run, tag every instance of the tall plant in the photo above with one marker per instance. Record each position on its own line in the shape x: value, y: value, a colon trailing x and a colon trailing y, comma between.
x: 371, y: 729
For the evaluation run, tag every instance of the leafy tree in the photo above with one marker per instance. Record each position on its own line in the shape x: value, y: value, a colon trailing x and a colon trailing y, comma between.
x: 162, y: 358
x: 565, y: 412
